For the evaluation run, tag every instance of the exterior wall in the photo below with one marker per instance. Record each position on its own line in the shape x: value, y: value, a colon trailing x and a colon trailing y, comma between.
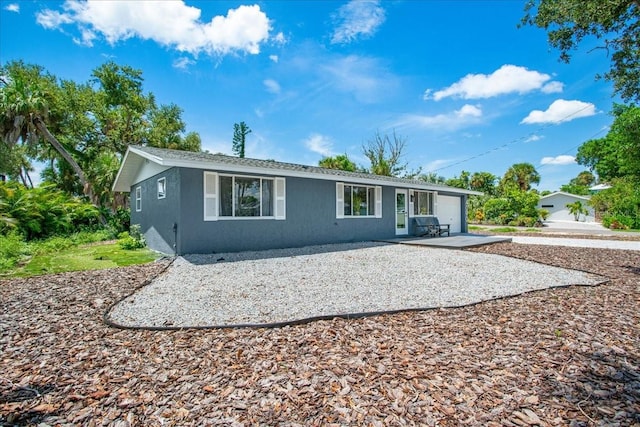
x: 310, y: 220
x: 157, y: 216
x: 556, y: 204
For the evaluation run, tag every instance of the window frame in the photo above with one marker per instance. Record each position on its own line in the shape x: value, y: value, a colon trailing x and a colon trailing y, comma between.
x: 162, y: 194
x: 138, y: 198
x: 416, y: 205
x: 213, y: 197
x: 369, y: 190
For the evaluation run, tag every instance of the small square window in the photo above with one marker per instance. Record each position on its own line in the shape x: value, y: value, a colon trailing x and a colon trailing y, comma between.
x: 162, y: 188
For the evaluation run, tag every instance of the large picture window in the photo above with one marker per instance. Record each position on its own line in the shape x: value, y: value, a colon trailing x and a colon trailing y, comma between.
x: 236, y: 196
x: 423, y: 203
x: 358, y: 201
x: 246, y: 196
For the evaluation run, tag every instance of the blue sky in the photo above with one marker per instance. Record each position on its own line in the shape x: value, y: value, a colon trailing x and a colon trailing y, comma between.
x: 465, y: 87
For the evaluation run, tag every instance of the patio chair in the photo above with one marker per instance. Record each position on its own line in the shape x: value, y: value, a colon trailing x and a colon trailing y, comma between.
x: 430, y: 225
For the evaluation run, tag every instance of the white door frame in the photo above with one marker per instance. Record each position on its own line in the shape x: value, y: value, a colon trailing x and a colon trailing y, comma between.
x: 402, y: 230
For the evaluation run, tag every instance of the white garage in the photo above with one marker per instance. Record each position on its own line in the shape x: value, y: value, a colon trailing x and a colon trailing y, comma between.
x: 449, y: 211
x: 556, y: 203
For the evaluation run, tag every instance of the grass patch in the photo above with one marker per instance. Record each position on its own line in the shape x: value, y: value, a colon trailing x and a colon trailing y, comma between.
x: 504, y: 230
x: 83, y: 257
x: 476, y: 227
x: 533, y: 230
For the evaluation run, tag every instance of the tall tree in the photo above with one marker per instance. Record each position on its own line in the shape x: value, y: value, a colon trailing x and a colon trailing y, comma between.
x: 385, y: 154
x: 520, y: 176
x: 580, y: 184
x: 617, y: 155
x: 26, y: 98
x: 483, y: 181
x: 341, y: 161
x: 460, y: 182
x: 240, y: 132
x: 615, y: 22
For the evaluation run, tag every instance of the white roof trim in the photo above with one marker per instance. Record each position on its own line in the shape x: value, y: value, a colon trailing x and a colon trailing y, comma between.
x: 121, y: 179
x: 566, y: 194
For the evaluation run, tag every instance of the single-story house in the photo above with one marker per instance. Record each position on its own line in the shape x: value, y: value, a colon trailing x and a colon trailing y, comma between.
x: 556, y: 203
x: 188, y: 202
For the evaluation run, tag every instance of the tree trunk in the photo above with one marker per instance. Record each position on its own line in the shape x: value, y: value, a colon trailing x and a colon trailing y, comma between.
x: 86, y: 185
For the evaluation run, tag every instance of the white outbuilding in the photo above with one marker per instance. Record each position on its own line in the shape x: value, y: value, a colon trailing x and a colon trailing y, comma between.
x: 556, y: 203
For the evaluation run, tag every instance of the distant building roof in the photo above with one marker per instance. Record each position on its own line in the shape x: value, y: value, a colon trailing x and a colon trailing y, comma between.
x: 600, y: 187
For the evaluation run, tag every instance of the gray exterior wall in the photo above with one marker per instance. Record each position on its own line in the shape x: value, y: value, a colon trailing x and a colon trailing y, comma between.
x: 157, y: 216
x: 310, y: 218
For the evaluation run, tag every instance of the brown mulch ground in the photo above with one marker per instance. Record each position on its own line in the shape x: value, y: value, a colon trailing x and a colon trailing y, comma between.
x: 566, y: 356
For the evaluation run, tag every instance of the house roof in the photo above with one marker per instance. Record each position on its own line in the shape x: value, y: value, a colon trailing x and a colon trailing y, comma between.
x: 137, y: 156
x: 565, y: 194
x: 600, y: 187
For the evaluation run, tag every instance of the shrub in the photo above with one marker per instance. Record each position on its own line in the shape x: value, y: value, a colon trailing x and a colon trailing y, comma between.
x: 134, y: 239
x: 12, y: 249
x: 543, y: 213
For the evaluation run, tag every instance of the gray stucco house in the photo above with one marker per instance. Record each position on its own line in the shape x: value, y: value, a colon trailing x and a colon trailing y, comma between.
x: 189, y: 202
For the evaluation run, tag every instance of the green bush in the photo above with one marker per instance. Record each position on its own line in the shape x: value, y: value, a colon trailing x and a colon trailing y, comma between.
x: 134, y: 239
x: 13, y: 248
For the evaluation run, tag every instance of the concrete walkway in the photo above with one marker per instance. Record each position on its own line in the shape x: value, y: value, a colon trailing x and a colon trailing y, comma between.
x: 456, y: 241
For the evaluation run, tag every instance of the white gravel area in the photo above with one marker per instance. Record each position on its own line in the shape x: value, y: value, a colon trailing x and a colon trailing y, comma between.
x: 294, y: 284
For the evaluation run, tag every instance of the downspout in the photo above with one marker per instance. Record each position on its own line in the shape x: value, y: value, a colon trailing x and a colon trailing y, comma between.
x: 175, y: 239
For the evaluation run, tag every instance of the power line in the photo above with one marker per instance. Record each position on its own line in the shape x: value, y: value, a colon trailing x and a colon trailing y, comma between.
x: 517, y: 140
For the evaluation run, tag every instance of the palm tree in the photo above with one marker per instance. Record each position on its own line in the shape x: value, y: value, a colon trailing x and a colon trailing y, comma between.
x: 522, y: 175
x: 341, y: 161
x: 576, y: 209
x: 24, y: 112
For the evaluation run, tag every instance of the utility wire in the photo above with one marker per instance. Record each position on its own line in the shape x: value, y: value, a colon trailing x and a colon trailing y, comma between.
x: 517, y: 140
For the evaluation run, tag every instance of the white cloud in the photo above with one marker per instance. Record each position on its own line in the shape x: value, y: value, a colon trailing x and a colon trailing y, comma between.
x: 467, y: 115
x: 558, y: 160
x: 319, y: 144
x: 552, y: 87
x: 272, y: 86
x: 533, y: 138
x: 274, y: 58
x: 172, y: 24
x: 183, y: 63
x: 364, y: 77
x: 279, y: 39
x: 507, y: 79
x: 357, y: 19
x: 561, y: 111
x: 12, y: 7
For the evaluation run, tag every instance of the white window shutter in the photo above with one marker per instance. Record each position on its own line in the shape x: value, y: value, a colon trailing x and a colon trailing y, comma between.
x: 211, y: 196
x: 281, y: 205
x: 378, y: 202
x: 339, y: 200
x: 435, y: 203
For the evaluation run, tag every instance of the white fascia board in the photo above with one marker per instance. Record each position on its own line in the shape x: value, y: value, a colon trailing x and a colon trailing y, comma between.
x: 563, y: 193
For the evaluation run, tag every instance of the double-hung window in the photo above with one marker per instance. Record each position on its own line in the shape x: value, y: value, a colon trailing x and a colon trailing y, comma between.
x: 138, y: 199
x: 423, y: 203
x: 234, y: 196
x: 353, y: 200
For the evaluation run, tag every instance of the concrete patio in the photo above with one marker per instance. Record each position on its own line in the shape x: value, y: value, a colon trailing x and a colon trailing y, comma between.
x: 456, y: 241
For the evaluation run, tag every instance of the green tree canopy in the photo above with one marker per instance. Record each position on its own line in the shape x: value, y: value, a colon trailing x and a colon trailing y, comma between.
x: 341, y: 161
x: 616, y: 23
x: 580, y: 184
x: 617, y: 155
x: 519, y: 176
x: 240, y: 132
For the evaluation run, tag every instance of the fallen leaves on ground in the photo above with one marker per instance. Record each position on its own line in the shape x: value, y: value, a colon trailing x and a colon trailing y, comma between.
x: 564, y: 356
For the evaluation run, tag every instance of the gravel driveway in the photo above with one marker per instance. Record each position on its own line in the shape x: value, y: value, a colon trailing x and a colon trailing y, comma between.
x: 289, y: 285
